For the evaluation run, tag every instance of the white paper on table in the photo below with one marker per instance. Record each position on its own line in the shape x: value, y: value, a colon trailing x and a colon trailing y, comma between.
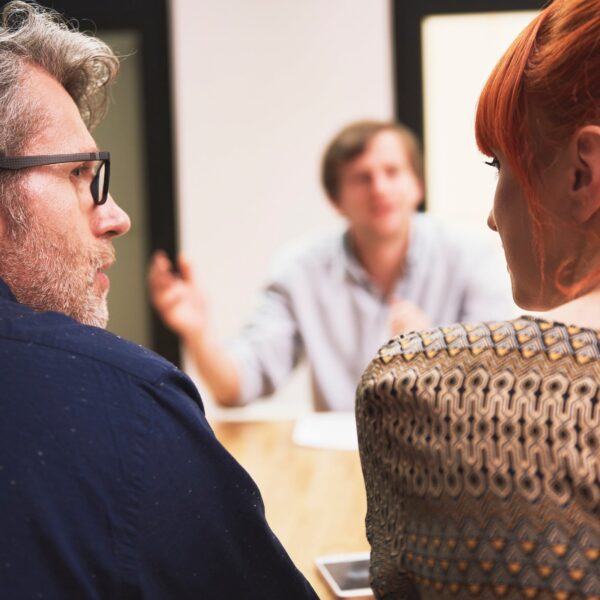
x: 330, y: 430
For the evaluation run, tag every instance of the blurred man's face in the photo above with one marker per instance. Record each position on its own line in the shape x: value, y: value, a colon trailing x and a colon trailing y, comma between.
x: 59, y: 261
x: 378, y: 190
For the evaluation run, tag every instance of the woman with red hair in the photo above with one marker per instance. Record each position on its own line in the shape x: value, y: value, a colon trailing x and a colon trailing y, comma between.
x: 538, y: 118
x: 480, y: 443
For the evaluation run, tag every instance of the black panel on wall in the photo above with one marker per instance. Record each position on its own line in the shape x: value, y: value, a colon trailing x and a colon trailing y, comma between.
x: 149, y: 18
x: 406, y: 31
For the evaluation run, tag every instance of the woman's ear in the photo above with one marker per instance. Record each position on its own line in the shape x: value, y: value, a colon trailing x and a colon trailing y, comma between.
x: 585, y: 183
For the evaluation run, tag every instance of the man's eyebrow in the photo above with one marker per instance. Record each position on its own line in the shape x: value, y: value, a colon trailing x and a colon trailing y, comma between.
x: 89, y: 150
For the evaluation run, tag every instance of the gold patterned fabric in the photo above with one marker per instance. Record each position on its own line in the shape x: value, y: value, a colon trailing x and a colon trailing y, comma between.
x: 480, y: 448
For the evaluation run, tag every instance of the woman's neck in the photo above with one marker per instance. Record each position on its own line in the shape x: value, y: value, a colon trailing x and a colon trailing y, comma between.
x: 583, y: 311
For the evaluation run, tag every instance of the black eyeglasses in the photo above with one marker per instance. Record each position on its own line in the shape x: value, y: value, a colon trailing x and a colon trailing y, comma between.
x: 101, y: 169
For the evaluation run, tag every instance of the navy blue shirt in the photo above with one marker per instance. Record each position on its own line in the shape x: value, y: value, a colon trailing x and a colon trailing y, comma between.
x: 112, y: 484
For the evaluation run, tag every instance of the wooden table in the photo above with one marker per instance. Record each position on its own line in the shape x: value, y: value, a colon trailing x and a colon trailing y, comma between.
x: 314, y: 499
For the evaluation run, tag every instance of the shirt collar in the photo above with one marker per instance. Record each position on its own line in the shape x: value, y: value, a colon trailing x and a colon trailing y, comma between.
x: 5, y: 291
x: 352, y: 267
x: 415, y: 240
x: 415, y: 243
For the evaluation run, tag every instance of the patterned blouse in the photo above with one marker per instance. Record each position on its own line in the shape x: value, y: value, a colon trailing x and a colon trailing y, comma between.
x: 480, y: 448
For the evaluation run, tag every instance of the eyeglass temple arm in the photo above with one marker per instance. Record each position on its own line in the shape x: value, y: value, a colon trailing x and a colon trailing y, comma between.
x: 22, y: 162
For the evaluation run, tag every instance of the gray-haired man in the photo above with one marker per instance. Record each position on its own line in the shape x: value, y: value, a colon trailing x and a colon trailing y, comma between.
x: 112, y: 484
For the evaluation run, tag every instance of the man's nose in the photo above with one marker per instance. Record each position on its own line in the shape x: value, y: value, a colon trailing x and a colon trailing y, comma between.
x: 380, y: 184
x: 115, y: 221
x: 491, y: 222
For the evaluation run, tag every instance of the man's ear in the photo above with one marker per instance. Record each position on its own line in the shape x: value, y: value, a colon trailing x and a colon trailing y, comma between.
x: 585, y: 183
x: 420, y: 192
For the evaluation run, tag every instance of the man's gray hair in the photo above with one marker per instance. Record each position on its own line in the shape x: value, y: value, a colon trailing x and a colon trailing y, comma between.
x: 84, y: 65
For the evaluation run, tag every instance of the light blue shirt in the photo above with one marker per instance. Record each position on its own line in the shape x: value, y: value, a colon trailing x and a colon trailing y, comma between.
x: 320, y: 305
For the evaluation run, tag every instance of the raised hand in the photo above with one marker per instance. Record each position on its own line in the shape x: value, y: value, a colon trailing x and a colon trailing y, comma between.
x: 407, y: 316
x: 176, y: 296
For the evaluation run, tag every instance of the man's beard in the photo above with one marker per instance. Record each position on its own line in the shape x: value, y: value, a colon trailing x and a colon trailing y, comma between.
x: 48, y: 271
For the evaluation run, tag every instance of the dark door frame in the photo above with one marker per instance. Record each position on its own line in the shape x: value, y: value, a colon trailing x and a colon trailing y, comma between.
x: 150, y: 19
x: 406, y: 36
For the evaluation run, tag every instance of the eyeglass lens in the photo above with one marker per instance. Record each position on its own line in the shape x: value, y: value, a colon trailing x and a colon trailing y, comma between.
x: 100, y: 184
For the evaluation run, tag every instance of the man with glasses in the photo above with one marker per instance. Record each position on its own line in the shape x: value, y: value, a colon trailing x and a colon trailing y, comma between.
x: 112, y: 484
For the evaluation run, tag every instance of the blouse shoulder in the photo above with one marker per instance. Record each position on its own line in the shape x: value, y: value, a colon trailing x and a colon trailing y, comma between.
x: 494, y: 343
x: 479, y: 448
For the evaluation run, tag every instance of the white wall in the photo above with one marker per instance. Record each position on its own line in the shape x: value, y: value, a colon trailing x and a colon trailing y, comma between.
x: 260, y: 87
x: 459, y: 53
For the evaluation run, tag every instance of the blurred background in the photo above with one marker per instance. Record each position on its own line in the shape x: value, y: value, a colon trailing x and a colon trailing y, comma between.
x: 222, y: 111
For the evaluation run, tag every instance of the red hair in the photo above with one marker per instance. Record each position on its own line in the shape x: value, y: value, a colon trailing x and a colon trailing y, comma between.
x: 542, y: 90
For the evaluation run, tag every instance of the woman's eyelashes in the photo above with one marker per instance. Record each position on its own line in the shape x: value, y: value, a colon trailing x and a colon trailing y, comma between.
x: 493, y: 163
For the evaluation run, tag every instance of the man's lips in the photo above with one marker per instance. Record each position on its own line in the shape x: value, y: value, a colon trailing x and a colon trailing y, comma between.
x: 382, y: 209
x: 102, y: 277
